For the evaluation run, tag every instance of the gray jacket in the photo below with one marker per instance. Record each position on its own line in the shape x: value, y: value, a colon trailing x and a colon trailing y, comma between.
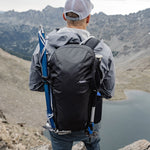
x: 59, y: 38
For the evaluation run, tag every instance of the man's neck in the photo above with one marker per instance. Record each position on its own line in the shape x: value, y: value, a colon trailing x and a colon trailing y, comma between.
x: 77, y: 27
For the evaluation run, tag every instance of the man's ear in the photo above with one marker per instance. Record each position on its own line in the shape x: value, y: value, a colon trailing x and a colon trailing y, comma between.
x: 64, y: 17
x: 88, y: 19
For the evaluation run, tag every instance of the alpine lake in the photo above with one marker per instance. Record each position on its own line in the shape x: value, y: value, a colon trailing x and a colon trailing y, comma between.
x: 125, y: 121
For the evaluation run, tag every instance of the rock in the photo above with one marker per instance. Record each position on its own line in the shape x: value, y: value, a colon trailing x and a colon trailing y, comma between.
x: 37, y: 134
x: 3, y: 145
x: 20, y: 147
x: 43, y: 147
x: 79, y: 146
x: 16, y: 137
x: 2, y: 117
x: 138, y: 145
x: 21, y: 124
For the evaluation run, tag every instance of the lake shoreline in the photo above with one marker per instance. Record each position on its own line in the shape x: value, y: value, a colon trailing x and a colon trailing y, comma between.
x: 123, y: 96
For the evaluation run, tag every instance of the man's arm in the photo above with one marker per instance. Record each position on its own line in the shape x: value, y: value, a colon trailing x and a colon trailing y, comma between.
x: 107, y: 85
x: 107, y: 82
x: 35, y: 79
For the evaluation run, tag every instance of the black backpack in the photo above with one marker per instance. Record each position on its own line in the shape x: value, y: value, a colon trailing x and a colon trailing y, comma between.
x: 72, y: 78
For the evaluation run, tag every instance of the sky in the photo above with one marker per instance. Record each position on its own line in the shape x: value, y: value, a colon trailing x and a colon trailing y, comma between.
x: 109, y: 7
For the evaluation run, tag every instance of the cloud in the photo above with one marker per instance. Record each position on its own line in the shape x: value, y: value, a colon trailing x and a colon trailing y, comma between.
x: 120, y: 6
x: 106, y: 6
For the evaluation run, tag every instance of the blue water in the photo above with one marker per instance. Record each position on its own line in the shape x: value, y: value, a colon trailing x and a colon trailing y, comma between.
x: 126, y: 121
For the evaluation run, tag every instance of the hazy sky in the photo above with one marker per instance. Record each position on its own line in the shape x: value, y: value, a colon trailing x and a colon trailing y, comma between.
x: 106, y: 6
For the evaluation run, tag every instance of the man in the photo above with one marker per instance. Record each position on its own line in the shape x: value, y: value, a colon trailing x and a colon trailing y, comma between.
x: 77, y: 15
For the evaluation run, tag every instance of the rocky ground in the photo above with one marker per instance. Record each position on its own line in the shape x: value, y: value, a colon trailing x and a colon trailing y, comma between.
x: 18, y: 137
x: 18, y: 103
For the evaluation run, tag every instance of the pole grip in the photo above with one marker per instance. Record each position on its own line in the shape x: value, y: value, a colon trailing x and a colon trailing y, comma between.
x: 92, y: 114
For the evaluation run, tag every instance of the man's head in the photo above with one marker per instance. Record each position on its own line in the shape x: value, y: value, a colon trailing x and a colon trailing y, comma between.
x: 77, y: 13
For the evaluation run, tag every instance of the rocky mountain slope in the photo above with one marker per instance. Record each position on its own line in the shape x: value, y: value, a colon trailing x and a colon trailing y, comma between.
x: 132, y: 72
x: 17, y: 102
x: 123, y: 33
x: 49, y: 16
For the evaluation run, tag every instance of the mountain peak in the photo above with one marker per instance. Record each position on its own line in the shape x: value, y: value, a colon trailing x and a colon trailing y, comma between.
x: 47, y: 8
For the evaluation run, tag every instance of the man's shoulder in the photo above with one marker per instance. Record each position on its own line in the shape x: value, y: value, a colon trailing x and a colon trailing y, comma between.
x: 103, y: 45
x: 103, y: 48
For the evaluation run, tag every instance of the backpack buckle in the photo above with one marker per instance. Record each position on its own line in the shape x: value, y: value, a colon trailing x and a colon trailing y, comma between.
x: 63, y: 132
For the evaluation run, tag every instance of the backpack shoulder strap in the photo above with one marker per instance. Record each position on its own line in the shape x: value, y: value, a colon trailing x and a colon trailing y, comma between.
x: 92, y: 42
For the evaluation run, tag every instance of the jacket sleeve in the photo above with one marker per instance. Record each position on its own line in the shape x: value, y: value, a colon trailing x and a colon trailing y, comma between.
x: 107, y: 82
x: 35, y: 78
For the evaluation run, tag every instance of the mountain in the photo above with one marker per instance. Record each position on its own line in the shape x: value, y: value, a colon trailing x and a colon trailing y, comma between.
x: 132, y: 72
x: 49, y: 16
x: 123, y: 33
x: 18, y: 31
x: 19, y: 40
x: 1, y: 12
x: 17, y: 102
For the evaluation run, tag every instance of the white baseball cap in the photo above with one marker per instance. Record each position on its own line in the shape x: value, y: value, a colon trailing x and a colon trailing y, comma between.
x: 80, y: 7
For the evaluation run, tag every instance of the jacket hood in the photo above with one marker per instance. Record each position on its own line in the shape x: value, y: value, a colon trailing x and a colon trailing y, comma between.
x: 60, y: 37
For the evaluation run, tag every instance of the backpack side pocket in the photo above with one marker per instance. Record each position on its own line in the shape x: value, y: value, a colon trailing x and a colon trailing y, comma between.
x: 98, y: 110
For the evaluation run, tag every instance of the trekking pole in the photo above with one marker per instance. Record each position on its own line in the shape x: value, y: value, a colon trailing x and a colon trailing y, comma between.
x: 91, y: 125
x: 41, y: 36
